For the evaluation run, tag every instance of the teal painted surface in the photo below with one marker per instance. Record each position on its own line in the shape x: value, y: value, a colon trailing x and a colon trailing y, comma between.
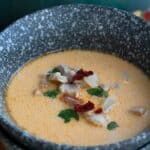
x: 10, y: 10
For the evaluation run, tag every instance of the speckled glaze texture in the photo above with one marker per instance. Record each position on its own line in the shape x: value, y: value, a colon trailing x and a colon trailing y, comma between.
x: 72, y: 27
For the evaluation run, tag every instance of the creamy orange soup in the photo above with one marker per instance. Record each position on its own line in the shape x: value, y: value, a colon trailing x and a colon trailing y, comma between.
x: 39, y: 114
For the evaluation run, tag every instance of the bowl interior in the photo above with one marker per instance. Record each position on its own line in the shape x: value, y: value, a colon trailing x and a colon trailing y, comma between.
x: 71, y: 27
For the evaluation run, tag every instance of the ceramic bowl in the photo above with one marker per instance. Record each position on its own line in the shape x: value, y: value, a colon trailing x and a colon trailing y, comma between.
x: 72, y: 27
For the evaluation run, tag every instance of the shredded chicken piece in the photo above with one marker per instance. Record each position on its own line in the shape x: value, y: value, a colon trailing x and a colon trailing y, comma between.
x: 139, y: 111
x: 72, y: 100
x: 109, y: 103
x: 63, y: 74
x: 67, y: 71
x: 69, y: 88
x: 92, y: 80
x: 37, y: 92
x: 97, y: 119
x: 58, y: 77
x: 105, y: 87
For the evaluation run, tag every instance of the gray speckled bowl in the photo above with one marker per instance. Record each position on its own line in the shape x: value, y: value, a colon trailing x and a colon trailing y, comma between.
x: 71, y: 27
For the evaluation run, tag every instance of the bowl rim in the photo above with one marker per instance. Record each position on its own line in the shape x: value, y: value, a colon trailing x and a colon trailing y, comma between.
x: 8, y: 126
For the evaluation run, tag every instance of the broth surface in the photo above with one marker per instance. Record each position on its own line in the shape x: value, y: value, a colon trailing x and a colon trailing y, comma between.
x: 38, y: 114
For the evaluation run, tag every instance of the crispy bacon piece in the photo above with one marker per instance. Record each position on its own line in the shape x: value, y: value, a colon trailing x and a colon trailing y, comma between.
x: 85, y: 107
x: 72, y: 100
x: 80, y: 74
x: 98, y: 111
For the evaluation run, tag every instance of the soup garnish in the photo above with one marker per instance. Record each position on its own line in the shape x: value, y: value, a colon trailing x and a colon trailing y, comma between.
x: 69, y: 82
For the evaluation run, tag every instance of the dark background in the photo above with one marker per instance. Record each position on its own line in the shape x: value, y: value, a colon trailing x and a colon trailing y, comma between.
x: 10, y: 10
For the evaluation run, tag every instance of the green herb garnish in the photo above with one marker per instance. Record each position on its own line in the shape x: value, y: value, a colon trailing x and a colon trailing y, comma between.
x: 67, y: 114
x: 52, y: 93
x: 54, y: 70
x: 100, y: 92
x: 112, y: 125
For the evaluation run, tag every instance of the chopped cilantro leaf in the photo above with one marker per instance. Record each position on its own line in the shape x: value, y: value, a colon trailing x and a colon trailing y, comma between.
x: 112, y: 125
x: 52, y: 93
x: 67, y: 114
x: 100, y: 92
x: 56, y: 69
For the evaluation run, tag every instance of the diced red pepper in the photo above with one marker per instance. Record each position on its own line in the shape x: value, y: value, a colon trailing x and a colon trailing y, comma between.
x: 80, y: 74
x: 83, y: 108
x: 98, y: 111
x: 146, y: 15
